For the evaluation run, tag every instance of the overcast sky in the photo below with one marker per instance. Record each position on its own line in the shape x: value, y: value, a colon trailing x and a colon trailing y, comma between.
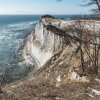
x: 42, y: 7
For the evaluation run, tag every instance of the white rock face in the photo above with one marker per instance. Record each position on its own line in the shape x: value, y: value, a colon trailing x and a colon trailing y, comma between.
x: 42, y: 44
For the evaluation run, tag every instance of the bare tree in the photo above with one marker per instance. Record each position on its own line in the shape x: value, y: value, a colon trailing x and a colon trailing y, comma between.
x: 96, y: 3
x: 89, y: 44
x: 78, y: 26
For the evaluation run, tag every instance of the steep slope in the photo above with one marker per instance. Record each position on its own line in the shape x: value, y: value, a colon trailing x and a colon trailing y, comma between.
x: 56, y: 80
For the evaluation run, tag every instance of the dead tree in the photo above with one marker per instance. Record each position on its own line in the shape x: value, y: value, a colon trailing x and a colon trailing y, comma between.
x: 78, y: 27
x: 89, y: 44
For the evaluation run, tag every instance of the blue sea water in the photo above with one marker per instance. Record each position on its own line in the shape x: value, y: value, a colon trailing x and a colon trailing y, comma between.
x: 13, y: 30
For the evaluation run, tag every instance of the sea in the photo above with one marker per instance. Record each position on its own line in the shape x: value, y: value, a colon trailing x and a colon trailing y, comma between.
x: 13, y: 31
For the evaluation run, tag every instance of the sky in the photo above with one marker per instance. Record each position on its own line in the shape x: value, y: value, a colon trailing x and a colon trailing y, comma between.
x: 43, y: 7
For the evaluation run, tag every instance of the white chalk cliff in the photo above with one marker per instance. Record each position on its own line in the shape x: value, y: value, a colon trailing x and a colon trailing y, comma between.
x: 42, y: 44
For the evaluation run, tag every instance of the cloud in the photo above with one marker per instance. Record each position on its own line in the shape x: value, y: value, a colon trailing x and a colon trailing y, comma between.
x: 14, y: 11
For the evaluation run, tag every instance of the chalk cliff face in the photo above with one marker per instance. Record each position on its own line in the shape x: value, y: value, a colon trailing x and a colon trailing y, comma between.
x: 42, y: 44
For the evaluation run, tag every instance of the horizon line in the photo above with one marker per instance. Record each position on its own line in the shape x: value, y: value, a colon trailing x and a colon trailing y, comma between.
x: 45, y: 14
